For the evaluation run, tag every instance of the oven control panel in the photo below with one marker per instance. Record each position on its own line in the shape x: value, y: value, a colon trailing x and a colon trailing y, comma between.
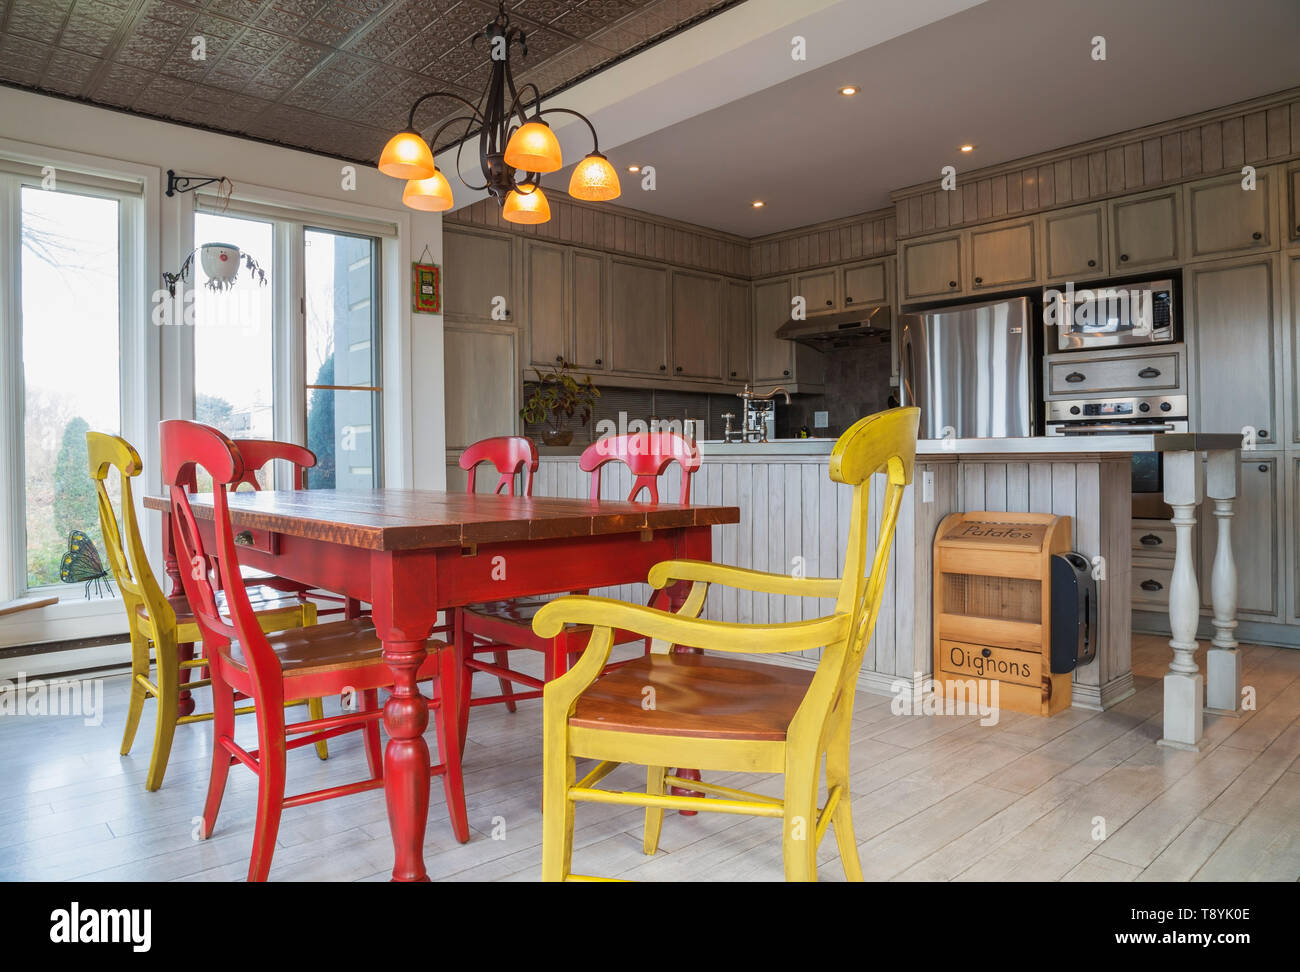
x: 1108, y: 416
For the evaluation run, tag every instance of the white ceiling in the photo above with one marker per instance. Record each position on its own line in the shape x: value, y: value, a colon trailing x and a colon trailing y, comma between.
x: 1014, y: 77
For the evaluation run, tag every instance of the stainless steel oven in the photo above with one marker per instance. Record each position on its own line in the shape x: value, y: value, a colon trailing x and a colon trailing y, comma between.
x: 1124, y: 416
x: 1107, y: 316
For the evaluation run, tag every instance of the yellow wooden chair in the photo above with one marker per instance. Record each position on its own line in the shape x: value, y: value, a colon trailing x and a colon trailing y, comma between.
x: 163, y: 622
x: 725, y: 714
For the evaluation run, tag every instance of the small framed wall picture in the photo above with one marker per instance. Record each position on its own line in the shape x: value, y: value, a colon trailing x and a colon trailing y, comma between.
x: 426, y: 287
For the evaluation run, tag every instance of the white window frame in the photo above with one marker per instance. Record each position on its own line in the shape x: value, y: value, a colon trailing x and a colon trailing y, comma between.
x: 138, y: 367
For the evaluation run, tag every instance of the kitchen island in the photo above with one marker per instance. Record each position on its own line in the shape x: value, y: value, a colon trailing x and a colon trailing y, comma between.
x: 795, y: 519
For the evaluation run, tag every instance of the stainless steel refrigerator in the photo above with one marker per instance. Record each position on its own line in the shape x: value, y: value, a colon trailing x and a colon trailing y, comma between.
x: 971, y: 370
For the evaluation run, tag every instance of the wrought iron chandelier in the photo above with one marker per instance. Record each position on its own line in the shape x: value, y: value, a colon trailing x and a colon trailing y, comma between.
x: 516, y: 147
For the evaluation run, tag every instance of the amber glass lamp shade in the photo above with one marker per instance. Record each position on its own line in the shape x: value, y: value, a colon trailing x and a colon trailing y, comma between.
x: 407, y: 156
x: 534, y: 148
x: 594, y: 179
x: 432, y: 195
x: 526, y: 207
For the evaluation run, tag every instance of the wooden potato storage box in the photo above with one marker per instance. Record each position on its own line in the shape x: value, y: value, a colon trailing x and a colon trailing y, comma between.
x: 992, y: 608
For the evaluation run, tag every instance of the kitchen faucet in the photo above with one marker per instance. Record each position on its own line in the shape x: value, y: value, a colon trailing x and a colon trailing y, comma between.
x: 756, y: 409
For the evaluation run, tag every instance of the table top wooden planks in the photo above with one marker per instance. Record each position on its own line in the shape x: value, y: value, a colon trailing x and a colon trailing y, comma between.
x: 408, y: 519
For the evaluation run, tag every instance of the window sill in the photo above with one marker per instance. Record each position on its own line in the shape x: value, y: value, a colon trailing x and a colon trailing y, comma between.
x: 73, y: 617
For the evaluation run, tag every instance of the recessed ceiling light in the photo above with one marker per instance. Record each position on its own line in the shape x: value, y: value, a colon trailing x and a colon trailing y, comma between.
x: 968, y: 148
x: 757, y: 204
x: 634, y: 168
x: 849, y: 90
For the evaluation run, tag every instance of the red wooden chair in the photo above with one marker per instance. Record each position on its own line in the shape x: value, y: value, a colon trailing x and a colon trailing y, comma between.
x: 327, y: 659
x: 511, y: 455
x: 499, y: 627
x: 257, y: 454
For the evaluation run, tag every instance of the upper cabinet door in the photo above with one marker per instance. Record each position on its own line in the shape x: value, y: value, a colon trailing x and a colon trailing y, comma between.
x: 1224, y: 217
x: 818, y: 289
x: 638, y: 317
x: 1293, y: 190
x: 736, y: 331
x: 697, y: 325
x: 866, y: 283
x: 773, y: 356
x: 1003, y: 255
x: 1144, y: 230
x: 588, y: 298
x: 479, y: 276
x: 931, y: 268
x: 546, y: 310
x: 1236, y: 346
x: 1074, y: 243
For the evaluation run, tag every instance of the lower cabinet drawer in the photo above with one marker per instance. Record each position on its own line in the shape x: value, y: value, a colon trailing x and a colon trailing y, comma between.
x: 1151, y: 583
x: 1153, y: 538
x: 1153, y: 373
x: 987, y: 661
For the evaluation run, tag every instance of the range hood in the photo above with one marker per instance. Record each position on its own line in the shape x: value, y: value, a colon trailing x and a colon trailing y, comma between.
x: 831, y: 332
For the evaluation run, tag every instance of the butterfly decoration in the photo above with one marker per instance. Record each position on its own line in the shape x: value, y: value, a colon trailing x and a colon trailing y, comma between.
x: 81, y: 564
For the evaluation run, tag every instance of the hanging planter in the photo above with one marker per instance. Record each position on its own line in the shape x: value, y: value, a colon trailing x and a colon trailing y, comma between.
x: 220, y: 262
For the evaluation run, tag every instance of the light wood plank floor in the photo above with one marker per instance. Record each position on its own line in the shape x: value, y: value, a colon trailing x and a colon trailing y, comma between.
x: 1084, y: 796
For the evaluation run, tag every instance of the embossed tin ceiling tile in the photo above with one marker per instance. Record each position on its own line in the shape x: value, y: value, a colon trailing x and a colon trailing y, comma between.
x: 342, y: 16
x: 585, y: 20
x: 22, y: 60
x: 66, y: 67
x: 37, y: 20
x: 181, y: 65
x: 543, y: 44
x: 542, y: 11
x: 245, y: 11
x: 280, y: 21
x: 217, y: 32
x: 169, y: 13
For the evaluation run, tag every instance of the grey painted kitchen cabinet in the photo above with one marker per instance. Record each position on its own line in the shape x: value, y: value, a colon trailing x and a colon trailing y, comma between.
x: 931, y: 268
x: 1074, y: 243
x: 1292, y: 268
x: 638, y: 317
x: 696, y: 325
x: 477, y: 267
x: 1235, y: 339
x: 818, y: 288
x: 737, y: 335
x: 1257, y: 542
x: 1003, y: 255
x: 1144, y: 229
x: 865, y: 284
x: 545, y: 280
x: 776, y: 360
x: 1224, y: 217
x: 588, y: 276
x: 1293, y: 194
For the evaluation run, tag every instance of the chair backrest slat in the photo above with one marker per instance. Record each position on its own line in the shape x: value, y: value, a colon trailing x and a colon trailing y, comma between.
x: 258, y: 452
x: 511, y: 455
x: 647, y: 455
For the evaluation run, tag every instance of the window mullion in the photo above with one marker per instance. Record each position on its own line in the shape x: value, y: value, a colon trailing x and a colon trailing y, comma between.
x: 12, y: 500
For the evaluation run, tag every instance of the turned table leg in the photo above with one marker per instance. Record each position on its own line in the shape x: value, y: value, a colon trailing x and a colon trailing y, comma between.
x: 1183, y: 719
x: 1223, y: 661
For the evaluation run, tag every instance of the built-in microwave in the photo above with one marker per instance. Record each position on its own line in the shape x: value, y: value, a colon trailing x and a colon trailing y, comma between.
x: 1109, y: 315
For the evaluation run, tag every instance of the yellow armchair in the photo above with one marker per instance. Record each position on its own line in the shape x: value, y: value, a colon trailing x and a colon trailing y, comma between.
x: 721, y: 713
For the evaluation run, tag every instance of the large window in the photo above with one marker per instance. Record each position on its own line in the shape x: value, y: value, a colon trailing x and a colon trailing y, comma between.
x: 296, y: 358
x: 69, y: 280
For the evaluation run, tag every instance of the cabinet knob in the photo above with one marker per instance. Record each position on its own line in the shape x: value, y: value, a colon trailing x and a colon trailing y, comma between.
x: 1092, y: 263
x: 1263, y: 467
x: 986, y: 652
x: 1152, y: 585
x: 598, y: 361
x: 663, y: 367
x: 1149, y: 373
x: 830, y: 303
x: 559, y: 357
x: 786, y: 373
x: 1261, y: 433
x: 1150, y: 540
x: 1074, y: 377
x: 952, y: 283
x: 978, y: 281
x: 1123, y: 258
x: 678, y: 368
x: 848, y: 300
x: 1256, y: 236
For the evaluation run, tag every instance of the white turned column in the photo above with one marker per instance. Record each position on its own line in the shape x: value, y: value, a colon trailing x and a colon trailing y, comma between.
x: 1223, y: 661
x: 1184, y: 685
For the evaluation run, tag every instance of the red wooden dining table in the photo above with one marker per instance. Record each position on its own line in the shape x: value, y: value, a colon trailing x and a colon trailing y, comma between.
x: 413, y: 553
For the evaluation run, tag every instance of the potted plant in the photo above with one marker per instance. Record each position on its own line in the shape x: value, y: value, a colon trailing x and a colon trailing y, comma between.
x: 556, y: 397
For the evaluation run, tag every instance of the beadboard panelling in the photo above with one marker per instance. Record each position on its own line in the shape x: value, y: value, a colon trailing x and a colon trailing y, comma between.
x: 613, y: 229
x: 860, y: 237
x: 1259, y: 132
